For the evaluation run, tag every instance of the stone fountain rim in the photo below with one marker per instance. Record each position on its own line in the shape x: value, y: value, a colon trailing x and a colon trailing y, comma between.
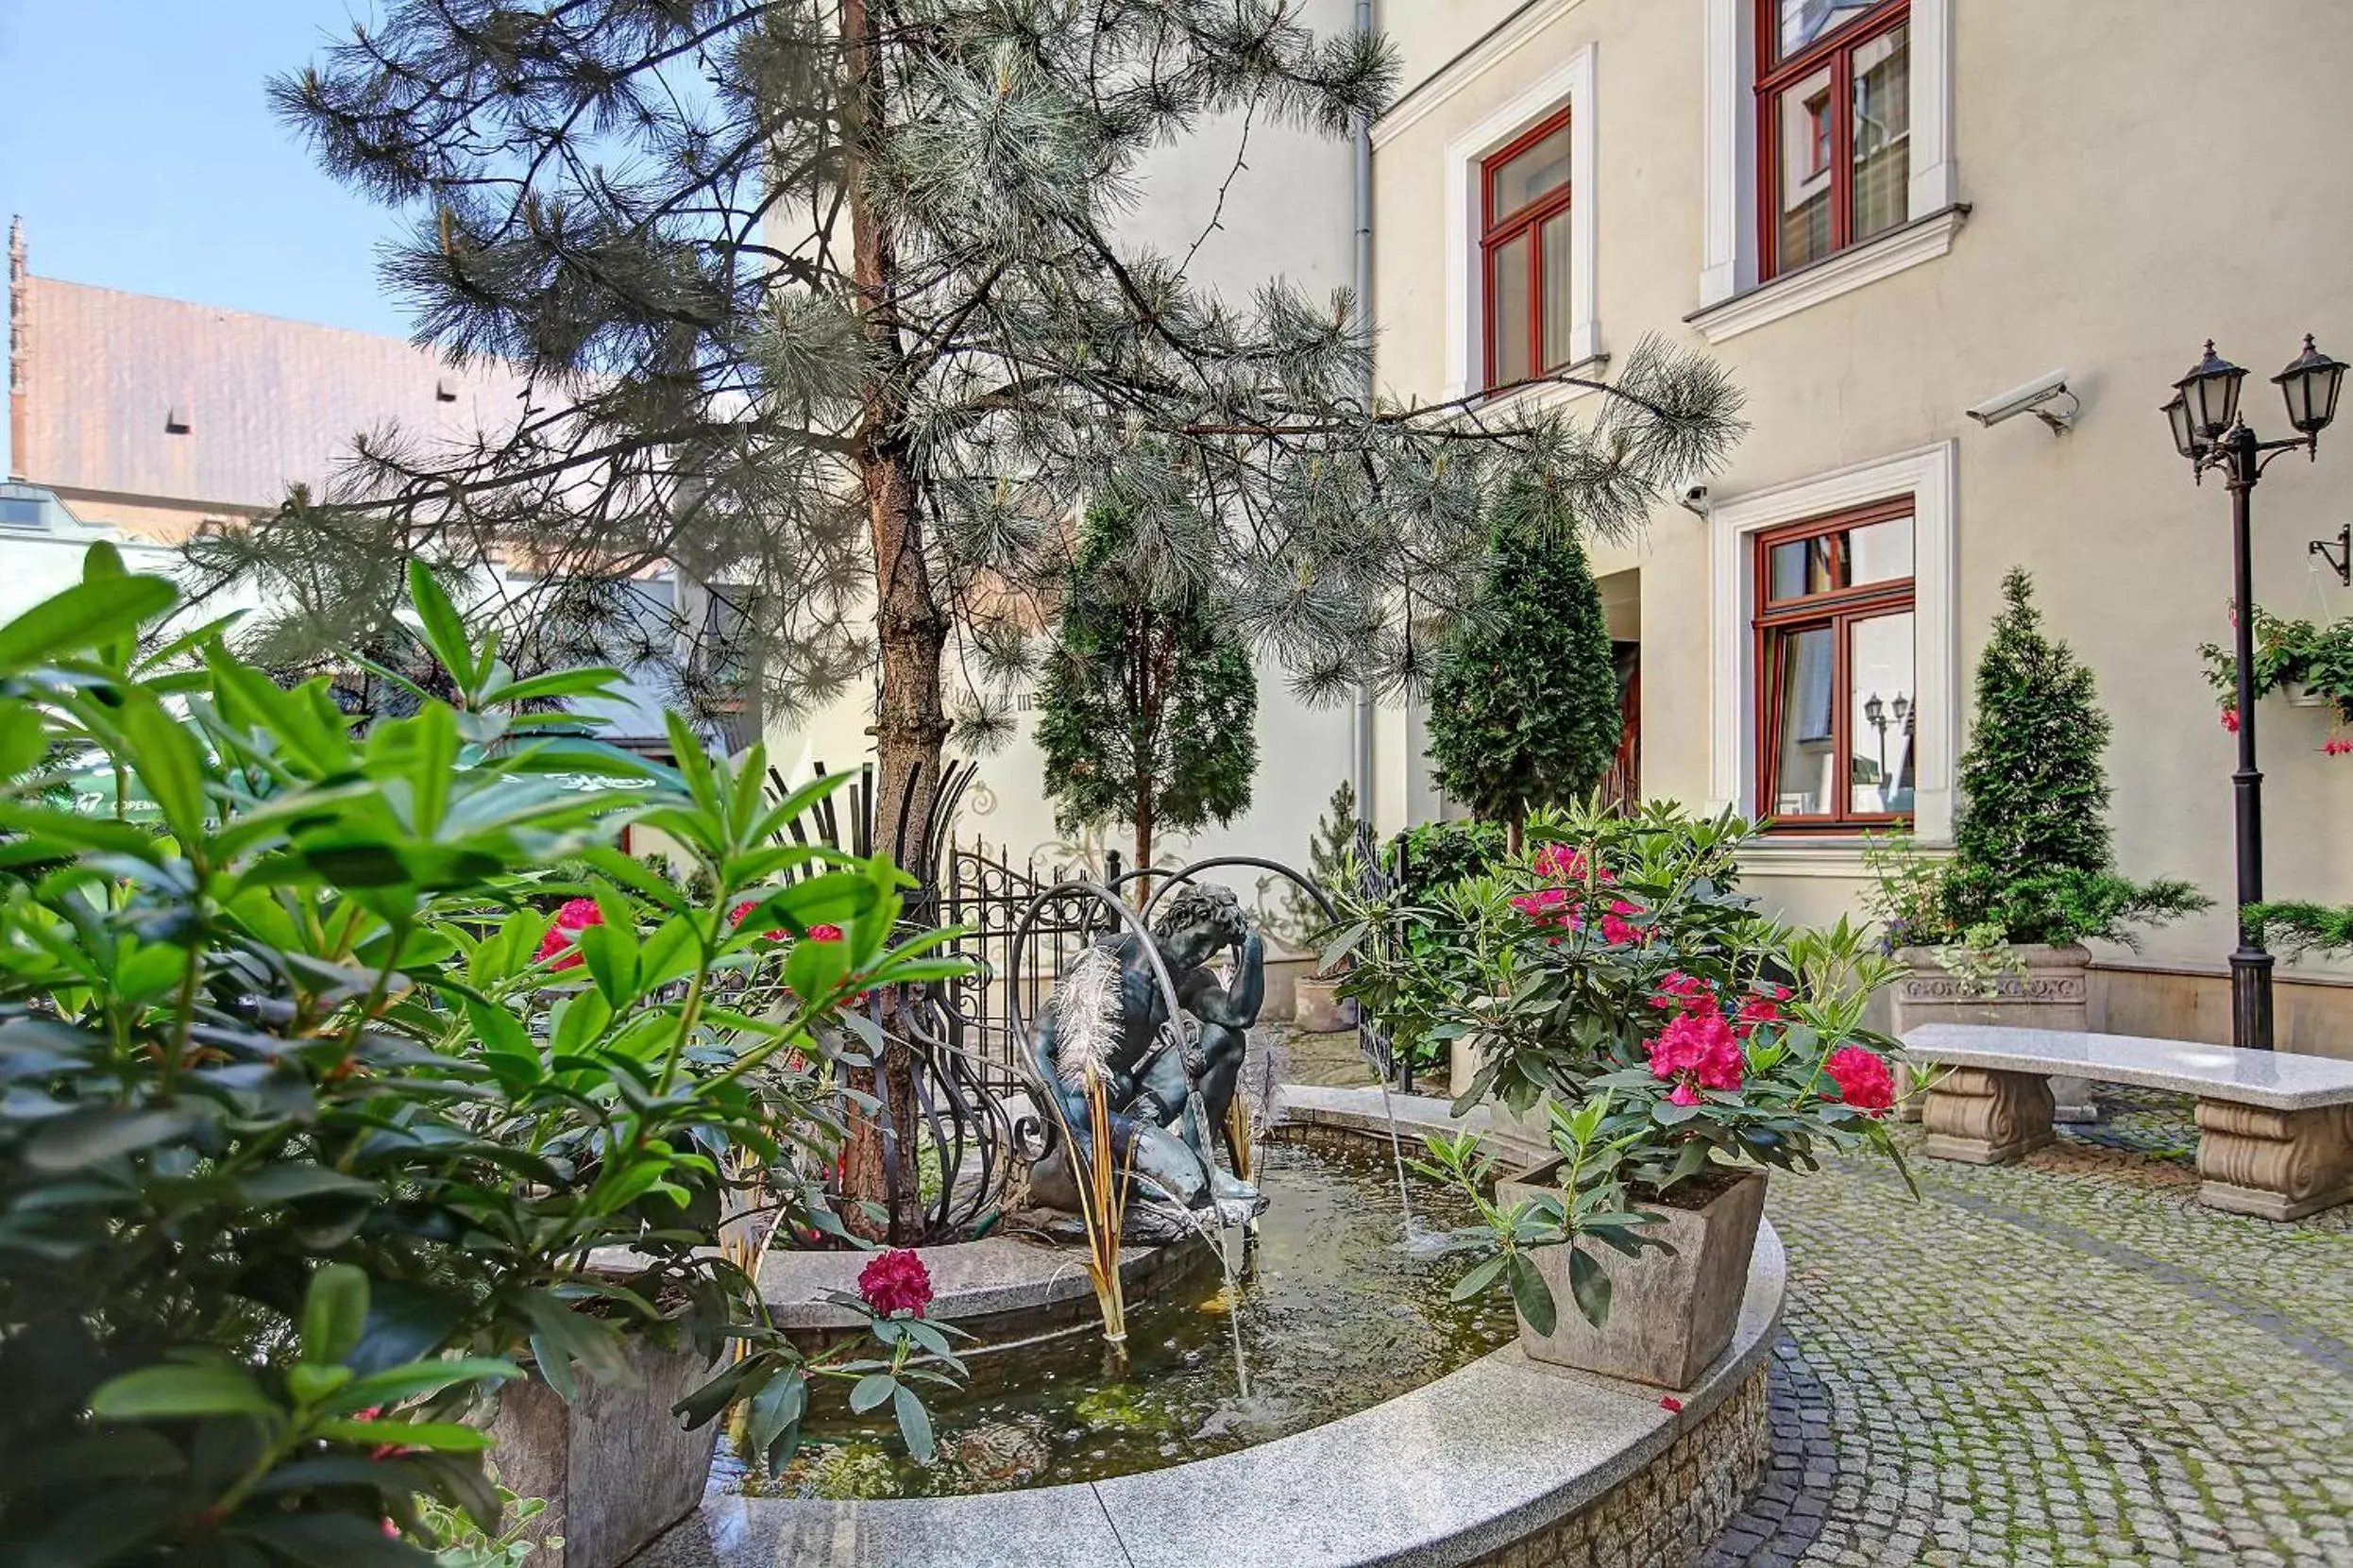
x: 1502, y: 1448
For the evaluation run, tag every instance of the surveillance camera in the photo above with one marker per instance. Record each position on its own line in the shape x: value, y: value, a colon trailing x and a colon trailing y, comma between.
x: 1693, y: 501
x: 2046, y: 397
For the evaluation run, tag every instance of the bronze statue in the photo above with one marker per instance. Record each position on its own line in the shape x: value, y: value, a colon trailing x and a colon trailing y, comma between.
x: 1168, y: 1087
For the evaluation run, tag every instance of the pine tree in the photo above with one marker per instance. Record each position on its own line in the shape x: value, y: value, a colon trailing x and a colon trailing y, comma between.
x: 1149, y: 699
x: 2031, y: 850
x: 1524, y: 710
x: 824, y: 304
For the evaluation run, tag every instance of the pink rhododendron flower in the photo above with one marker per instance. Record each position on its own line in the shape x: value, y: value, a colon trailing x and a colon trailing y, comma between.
x: 825, y: 933
x: 895, y: 1281
x: 1684, y: 1094
x: 1756, y: 1010
x: 734, y: 917
x: 1681, y: 992
x: 1615, y: 929
x: 576, y: 916
x: 1697, y: 1047
x: 1862, y: 1076
x: 1569, y: 864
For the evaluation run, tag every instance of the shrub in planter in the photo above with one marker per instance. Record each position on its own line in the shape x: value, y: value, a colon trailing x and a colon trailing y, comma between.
x: 1998, y: 924
x: 296, y: 1150
x: 1684, y: 1042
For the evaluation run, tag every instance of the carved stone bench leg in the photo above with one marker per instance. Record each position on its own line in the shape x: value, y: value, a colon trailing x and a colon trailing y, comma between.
x: 2274, y: 1165
x: 1987, y: 1118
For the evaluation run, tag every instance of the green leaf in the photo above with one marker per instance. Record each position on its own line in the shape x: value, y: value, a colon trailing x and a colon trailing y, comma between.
x: 914, y: 1422
x: 102, y: 1132
x: 1479, y: 1275
x: 442, y: 1437
x: 1590, y: 1285
x: 311, y: 1383
x: 775, y: 1417
x: 334, y: 1311
x: 444, y: 627
x: 871, y: 1390
x: 165, y: 1392
x: 1530, y: 1293
x: 164, y: 754
x: 87, y: 615
x: 420, y: 1378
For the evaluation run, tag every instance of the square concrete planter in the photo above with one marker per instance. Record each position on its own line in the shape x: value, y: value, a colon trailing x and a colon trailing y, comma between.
x: 1671, y: 1313
x: 615, y: 1466
x: 2048, y: 988
x: 1317, y: 1010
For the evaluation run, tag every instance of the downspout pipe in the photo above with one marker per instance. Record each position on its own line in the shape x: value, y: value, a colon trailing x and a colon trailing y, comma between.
x: 1364, y: 716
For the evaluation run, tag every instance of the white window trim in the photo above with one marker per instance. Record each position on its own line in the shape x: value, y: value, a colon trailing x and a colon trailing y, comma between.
x: 1729, y: 233
x: 1930, y: 478
x: 1570, y: 84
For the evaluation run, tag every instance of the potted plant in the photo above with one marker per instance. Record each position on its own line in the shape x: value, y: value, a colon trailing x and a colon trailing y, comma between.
x: 2311, y: 662
x: 1994, y: 931
x: 1680, y: 1043
x: 299, y: 1153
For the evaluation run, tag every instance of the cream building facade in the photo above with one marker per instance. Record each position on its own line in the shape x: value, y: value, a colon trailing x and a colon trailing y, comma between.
x: 1878, y: 216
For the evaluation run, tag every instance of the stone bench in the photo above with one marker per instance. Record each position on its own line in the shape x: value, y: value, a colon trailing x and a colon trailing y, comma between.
x: 2275, y: 1130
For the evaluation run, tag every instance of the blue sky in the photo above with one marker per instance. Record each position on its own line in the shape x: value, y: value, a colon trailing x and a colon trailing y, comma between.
x: 136, y: 143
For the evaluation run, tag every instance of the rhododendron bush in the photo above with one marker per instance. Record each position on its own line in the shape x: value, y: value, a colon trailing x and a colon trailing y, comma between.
x: 1615, y: 956
x: 1613, y: 972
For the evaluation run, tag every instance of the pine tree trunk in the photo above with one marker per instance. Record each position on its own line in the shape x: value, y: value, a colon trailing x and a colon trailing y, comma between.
x: 911, y: 629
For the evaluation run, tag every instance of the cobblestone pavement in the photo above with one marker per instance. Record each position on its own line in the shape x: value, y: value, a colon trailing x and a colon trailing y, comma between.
x: 2066, y: 1361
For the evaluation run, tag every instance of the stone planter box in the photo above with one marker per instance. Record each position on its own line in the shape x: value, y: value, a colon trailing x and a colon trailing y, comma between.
x: 615, y: 1466
x: 1672, y: 1312
x: 1317, y: 1010
x: 2051, y: 991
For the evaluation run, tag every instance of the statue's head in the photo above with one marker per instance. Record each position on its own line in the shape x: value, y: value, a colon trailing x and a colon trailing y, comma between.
x: 1200, y: 917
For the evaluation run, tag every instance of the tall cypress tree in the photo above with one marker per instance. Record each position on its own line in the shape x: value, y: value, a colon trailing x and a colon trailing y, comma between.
x: 1523, y: 712
x: 1149, y: 699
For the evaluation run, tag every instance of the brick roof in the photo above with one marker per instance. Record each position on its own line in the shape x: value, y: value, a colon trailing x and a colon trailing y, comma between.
x: 142, y: 396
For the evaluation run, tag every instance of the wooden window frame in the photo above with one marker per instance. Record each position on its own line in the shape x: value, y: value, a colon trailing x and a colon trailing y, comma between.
x: 1838, y: 609
x: 1496, y: 230
x: 1835, y: 50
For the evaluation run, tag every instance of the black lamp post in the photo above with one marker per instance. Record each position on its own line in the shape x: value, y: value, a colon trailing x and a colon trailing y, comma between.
x: 2209, y: 432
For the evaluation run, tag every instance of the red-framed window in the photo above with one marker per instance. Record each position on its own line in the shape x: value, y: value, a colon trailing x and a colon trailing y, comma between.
x: 1834, y: 106
x: 1524, y: 253
x: 1835, y: 663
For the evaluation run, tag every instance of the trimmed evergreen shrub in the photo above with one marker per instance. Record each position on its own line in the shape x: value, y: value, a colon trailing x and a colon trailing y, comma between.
x: 1523, y: 711
x: 2032, y: 853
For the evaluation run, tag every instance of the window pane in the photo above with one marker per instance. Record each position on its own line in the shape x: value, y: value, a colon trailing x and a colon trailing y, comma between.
x: 1880, y: 717
x: 1803, y: 127
x: 1535, y: 173
x: 1802, y: 566
x: 1879, y: 552
x: 1508, y: 329
x: 1847, y: 558
x: 1803, y: 22
x: 1882, y: 132
x: 1804, y: 771
x: 1556, y: 308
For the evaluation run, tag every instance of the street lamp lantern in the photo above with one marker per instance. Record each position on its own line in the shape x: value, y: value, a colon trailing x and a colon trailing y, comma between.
x: 2212, y: 392
x: 1902, y: 706
x: 1874, y: 708
x: 2204, y: 421
x: 2310, y: 384
x: 2177, y: 416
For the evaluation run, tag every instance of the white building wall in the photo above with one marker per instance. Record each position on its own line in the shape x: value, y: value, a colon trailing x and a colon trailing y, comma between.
x: 2140, y: 174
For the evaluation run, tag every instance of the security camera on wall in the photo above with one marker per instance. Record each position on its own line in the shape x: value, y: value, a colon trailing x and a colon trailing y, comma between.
x: 2046, y: 397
